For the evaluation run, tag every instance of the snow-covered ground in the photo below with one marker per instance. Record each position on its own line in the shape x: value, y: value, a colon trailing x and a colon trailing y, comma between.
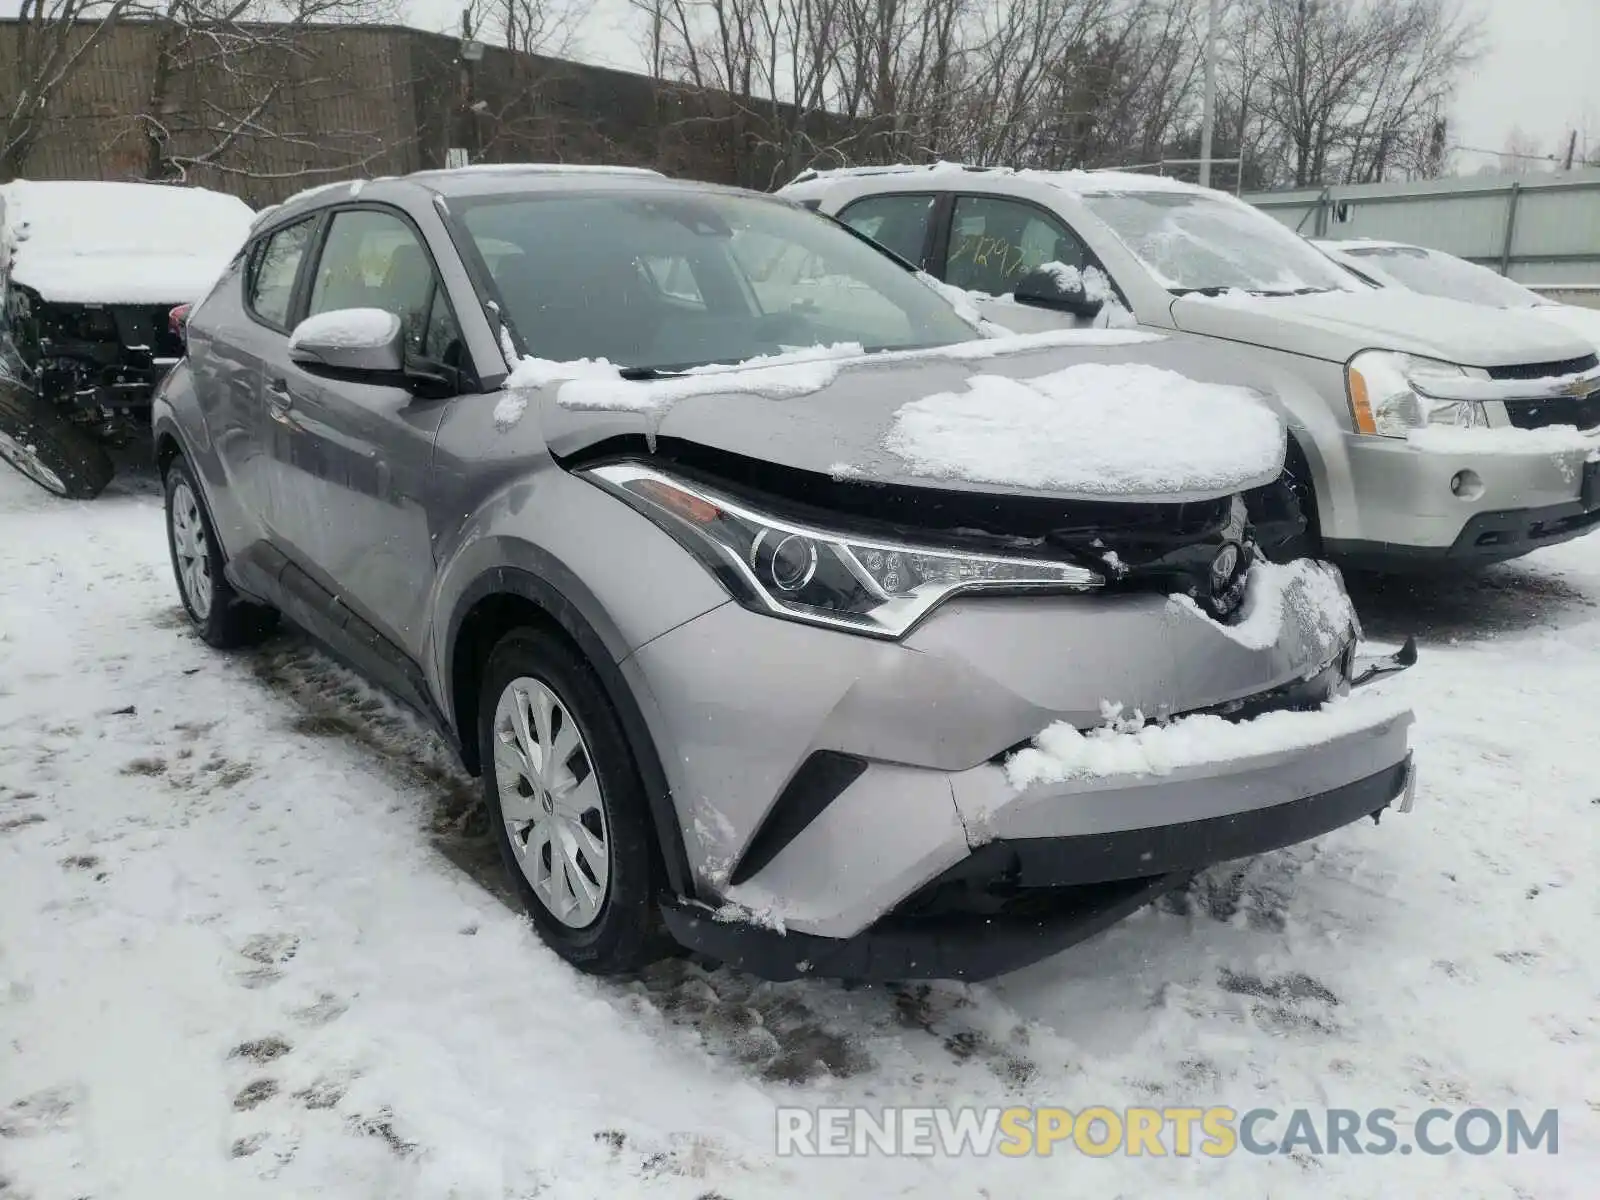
x: 252, y: 943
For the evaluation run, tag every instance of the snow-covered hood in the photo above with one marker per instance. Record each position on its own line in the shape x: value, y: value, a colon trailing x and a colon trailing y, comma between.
x: 1336, y: 325
x: 1574, y: 318
x: 118, y: 243
x: 125, y: 278
x: 1073, y: 414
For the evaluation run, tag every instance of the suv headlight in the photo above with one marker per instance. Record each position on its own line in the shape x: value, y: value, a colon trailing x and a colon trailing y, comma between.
x: 785, y: 569
x: 1384, y: 401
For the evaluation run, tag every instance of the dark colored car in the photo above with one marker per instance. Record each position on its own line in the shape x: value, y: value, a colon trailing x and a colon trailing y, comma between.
x: 91, y: 274
x: 659, y: 501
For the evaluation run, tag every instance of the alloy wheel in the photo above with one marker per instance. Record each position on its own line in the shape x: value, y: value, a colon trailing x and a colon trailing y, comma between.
x: 27, y: 460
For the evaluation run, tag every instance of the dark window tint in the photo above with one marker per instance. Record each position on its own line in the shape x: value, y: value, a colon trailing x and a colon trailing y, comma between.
x: 995, y: 242
x: 373, y: 259
x: 273, y: 269
x: 897, y: 223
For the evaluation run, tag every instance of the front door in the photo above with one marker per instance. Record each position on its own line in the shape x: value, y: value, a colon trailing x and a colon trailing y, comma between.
x: 352, y: 458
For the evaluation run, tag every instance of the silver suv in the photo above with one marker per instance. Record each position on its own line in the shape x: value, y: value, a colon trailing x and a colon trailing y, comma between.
x: 1423, y: 431
x: 780, y: 610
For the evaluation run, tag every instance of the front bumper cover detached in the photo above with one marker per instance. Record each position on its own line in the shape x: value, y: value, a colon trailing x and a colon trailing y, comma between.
x: 1017, y: 898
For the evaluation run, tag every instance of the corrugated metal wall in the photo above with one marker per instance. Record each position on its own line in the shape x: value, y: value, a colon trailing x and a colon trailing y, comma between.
x: 1543, y: 229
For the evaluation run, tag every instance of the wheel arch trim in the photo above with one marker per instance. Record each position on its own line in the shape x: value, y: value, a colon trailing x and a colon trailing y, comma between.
x: 559, y: 609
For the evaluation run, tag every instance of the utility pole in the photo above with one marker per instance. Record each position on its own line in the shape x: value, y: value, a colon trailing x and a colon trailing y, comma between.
x: 1208, y: 113
x: 1572, y: 148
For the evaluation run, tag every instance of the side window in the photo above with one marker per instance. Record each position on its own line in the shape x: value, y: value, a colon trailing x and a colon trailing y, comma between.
x: 897, y: 223
x: 441, y: 339
x: 269, y: 287
x: 372, y: 259
x: 994, y: 242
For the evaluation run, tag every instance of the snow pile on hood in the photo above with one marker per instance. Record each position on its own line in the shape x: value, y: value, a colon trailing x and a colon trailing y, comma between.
x: 596, y: 384
x: 120, y: 243
x: 1306, y: 592
x: 1094, y: 428
x: 347, y: 328
x: 1133, y: 746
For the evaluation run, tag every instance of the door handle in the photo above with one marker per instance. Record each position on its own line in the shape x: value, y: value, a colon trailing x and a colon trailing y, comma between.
x: 278, y: 394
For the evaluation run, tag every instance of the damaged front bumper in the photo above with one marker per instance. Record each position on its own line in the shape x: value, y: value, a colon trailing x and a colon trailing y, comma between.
x: 902, y: 867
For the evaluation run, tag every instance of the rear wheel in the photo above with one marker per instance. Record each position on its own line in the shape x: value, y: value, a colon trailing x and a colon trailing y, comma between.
x: 221, y: 616
x: 566, y: 804
x: 49, y: 449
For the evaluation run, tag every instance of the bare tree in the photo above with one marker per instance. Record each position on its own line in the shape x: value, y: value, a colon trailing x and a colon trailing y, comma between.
x: 1352, y: 86
x: 231, y: 86
x: 53, y: 39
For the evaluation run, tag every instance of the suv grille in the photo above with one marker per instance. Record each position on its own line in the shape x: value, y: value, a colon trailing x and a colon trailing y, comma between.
x: 1569, y: 366
x: 1582, y: 411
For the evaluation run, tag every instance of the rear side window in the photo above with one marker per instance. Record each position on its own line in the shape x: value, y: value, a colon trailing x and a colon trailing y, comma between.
x: 273, y: 268
x: 897, y: 223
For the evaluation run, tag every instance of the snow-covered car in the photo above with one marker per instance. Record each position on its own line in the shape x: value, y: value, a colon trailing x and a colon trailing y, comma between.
x: 90, y: 275
x: 1423, y: 431
x: 1411, y: 268
x: 826, y: 633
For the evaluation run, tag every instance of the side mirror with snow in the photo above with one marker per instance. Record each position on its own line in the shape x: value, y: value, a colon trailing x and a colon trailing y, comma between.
x: 350, y: 341
x: 1058, y: 286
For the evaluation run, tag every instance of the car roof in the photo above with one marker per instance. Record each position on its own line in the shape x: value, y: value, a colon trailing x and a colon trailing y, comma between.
x: 489, y: 179
x: 1085, y: 183
x: 1365, y: 244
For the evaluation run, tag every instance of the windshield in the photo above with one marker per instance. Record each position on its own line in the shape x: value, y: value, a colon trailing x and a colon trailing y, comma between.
x: 1436, y: 274
x: 666, y: 280
x: 1195, y: 242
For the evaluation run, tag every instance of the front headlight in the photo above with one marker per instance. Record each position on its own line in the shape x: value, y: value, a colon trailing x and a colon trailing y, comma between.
x: 1384, y: 401
x: 805, y: 573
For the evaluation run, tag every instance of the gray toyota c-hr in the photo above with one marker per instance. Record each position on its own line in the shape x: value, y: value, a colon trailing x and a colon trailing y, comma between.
x: 680, y: 511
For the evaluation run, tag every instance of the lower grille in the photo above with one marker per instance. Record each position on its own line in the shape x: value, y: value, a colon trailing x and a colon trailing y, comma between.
x: 1584, y: 412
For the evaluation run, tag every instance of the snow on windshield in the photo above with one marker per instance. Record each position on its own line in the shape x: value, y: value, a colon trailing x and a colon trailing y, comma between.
x: 1093, y: 429
x: 1201, y: 241
x: 1436, y: 274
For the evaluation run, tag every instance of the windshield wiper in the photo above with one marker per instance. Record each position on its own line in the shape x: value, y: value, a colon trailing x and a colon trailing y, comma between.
x: 1218, y: 289
x: 645, y: 374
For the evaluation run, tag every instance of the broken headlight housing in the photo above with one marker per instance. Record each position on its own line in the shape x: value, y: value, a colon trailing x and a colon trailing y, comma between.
x: 825, y: 577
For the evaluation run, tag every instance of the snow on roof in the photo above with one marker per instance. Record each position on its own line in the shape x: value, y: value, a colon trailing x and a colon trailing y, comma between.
x: 1093, y: 429
x: 120, y: 243
x: 1362, y: 244
x: 530, y: 168
x: 1078, y: 182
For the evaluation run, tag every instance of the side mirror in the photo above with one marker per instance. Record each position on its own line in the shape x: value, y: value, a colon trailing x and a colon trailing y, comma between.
x: 350, y: 341
x: 1058, y: 286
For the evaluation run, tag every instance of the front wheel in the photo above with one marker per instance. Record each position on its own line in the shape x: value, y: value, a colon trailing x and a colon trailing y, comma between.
x: 221, y: 616
x: 49, y: 449
x: 566, y: 805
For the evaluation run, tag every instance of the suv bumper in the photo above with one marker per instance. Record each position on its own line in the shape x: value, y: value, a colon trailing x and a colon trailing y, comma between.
x: 1414, y: 513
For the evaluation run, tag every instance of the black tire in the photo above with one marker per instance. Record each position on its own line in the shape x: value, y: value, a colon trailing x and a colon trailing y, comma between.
x: 626, y: 934
x: 223, y: 618
x: 50, y: 450
x: 1286, y: 521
